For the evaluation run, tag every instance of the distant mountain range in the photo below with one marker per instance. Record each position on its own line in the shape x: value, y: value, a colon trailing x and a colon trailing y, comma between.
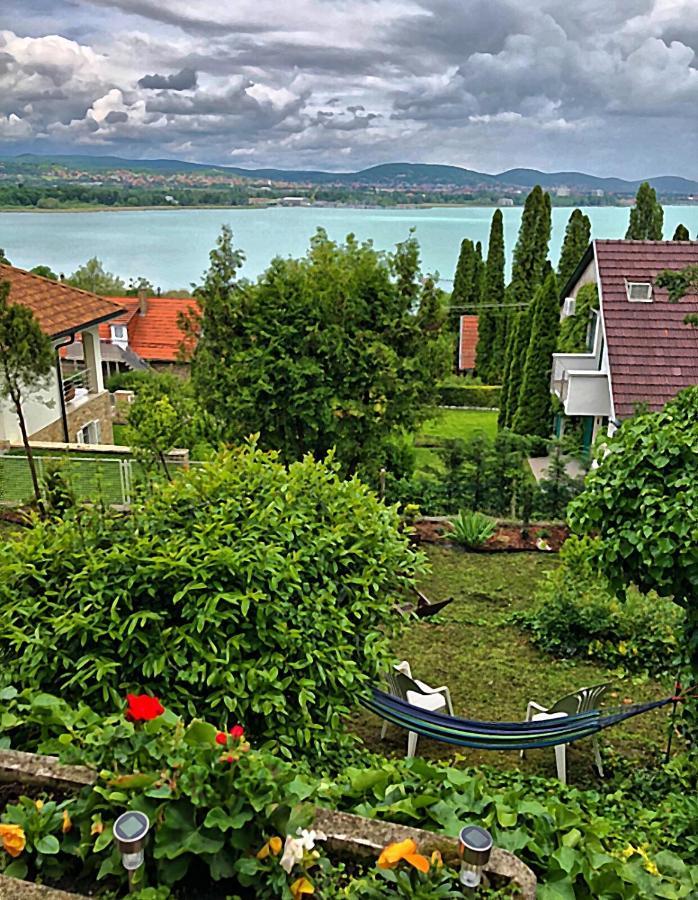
x: 388, y: 175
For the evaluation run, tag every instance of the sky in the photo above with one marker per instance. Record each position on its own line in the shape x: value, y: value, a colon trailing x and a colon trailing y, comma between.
x: 608, y: 87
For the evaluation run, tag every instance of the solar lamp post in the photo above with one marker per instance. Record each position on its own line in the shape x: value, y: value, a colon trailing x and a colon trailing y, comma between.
x: 130, y: 832
x: 474, y: 848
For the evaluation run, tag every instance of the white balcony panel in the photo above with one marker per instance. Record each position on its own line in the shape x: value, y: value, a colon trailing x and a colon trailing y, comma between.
x: 586, y: 393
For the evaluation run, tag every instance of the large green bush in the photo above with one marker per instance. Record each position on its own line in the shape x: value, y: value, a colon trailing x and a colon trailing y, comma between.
x: 577, y: 614
x: 243, y: 589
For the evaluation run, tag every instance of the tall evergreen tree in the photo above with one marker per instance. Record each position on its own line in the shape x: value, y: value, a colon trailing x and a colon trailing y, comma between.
x: 530, y: 261
x: 577, y: 235
x: 681, y: 233
x: 504, y: 418
x: 646, y: 217
x: 466, y: 281
x: 491, y: 323
x: 534, y: 413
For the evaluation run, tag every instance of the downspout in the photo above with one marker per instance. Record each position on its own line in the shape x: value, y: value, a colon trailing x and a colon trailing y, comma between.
x: 61, y: 393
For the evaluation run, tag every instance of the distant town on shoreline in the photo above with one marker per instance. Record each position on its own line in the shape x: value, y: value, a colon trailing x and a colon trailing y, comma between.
x: 31, y: 181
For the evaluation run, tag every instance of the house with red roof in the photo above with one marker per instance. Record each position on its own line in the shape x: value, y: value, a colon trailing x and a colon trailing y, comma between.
x: 75, y: 409
x: 146, y: 334
x: 640, y: 352
x: 467, y: 343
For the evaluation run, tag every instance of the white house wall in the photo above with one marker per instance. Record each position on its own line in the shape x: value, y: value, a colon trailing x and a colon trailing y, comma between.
x: 41, y: 408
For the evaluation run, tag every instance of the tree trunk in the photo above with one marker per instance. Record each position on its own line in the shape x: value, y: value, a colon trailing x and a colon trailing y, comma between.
x: 17, y: 400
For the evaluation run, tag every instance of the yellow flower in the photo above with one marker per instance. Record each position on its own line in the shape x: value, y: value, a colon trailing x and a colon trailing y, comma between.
x: 407, y: 850
x: 628, y: 852
x: 651, y: 867
x: 13, y: 839
x: 436, y: 860
x: 67, y: 824
x: 273, y: 846
x: 39, y: 804
x: 301, y: 886
x: 97, y: 826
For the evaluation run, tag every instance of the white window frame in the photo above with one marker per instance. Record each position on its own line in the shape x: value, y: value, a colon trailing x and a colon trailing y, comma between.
x: 119, y: 333
x: 629, y: 285
x: 83, y: 434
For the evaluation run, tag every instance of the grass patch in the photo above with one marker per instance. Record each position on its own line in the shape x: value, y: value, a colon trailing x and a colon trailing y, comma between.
x: 120, y: 435
x: 457, y: 423
x: 493, y: 670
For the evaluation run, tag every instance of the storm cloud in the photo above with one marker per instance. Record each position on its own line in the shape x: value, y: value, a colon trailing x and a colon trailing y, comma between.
x: 487, y: 84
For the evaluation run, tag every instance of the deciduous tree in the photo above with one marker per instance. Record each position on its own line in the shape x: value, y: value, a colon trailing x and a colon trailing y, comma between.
x: 26, y: 359
x: 341, y: 349
x: 93, y: 277
x: 573, y: 329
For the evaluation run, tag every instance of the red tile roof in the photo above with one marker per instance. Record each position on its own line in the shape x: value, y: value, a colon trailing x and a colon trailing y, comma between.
x: 59, y: 308
x: 468, y: 342
x: 652, y: 353
x: 156, y: 336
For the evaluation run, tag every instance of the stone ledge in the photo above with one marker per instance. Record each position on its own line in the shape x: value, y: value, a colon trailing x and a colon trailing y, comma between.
x: 12, y: 889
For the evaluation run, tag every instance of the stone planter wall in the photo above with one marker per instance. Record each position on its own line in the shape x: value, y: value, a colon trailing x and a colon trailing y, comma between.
x: 348, y: 836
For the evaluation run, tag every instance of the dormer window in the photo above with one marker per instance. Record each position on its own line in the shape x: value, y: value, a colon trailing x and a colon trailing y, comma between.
x: 119, y: 334
x: 639, y: 291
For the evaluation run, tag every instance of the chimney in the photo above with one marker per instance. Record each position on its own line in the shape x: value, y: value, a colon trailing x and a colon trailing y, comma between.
x: 142, y: 301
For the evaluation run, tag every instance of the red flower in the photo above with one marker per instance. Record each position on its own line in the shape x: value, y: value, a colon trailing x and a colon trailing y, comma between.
x: 222, y: 738
x: 142, y: 708
x: 237, y: 732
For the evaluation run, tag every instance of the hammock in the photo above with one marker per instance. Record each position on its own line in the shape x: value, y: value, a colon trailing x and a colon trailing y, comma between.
x: 502, y: 735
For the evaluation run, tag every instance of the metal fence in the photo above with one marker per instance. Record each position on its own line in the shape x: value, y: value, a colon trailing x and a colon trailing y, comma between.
x: 111, y: 480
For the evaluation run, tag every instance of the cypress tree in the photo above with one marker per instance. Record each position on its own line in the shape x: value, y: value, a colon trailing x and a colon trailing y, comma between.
x: 504, y: 418
x: 681, y: 233
x: 534, y: 414
x: 491, y: 322
x: 466, y: 281
x: 646, y: 217
x: 577, y: 235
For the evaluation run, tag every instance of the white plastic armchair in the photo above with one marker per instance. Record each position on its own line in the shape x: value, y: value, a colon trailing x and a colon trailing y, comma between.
x: 435, y: 699
x: 580, y: 701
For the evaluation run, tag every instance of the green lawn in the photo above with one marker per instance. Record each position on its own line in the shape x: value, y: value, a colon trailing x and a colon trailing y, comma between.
x: 120, y: 435
x: 456, y: 423
x: 493, y: 670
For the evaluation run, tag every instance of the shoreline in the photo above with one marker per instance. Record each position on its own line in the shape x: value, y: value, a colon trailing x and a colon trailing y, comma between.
x: 398, y: 206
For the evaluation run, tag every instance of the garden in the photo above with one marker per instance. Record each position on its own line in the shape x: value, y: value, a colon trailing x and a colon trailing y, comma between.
x: 208, y: 662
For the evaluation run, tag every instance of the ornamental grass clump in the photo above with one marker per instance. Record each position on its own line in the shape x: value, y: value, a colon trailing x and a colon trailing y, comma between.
x: 472, y: 529
x: 243, y: 590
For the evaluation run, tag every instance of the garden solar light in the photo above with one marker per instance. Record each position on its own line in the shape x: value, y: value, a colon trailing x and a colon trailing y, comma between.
x: 130, y: 831
x: 474, y: 848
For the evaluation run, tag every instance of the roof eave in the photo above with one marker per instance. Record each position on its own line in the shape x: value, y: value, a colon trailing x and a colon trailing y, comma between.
x: 67, y: 332
x: 577, y: 274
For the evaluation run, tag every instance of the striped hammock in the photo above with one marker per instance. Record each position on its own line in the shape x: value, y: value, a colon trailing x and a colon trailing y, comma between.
x: 502, y: 735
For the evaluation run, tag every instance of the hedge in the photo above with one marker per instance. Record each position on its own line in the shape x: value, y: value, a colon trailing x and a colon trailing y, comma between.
x: 475, y: 395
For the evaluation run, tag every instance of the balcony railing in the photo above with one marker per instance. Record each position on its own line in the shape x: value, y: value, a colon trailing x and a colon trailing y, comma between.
x: 76, y: 386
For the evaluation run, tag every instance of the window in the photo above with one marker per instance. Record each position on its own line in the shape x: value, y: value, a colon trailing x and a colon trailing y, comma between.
x: 639, y: 291
x: 119, y: 333
x: 90, y: 433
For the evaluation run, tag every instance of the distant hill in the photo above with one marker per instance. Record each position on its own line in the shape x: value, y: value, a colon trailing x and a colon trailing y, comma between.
x: 407, y: 175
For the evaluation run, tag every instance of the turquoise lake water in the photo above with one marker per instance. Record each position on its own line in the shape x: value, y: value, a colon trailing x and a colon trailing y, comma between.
x: 170, y: 247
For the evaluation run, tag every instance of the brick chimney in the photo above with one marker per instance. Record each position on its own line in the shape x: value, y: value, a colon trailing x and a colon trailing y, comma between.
x: 142, y: 301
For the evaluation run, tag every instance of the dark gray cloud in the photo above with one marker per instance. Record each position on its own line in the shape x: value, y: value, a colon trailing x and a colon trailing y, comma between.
x: 184, y: 80
x: 487, y: 84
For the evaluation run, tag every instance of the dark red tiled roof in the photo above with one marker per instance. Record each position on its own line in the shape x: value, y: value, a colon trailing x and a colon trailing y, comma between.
x: 652, y: 353
x: 58, y: 308
x: 468, y: 342
x: 156, y: 336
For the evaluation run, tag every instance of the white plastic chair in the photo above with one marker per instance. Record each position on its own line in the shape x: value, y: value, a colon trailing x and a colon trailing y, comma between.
x: 401, y: 684
x: 583, y: 700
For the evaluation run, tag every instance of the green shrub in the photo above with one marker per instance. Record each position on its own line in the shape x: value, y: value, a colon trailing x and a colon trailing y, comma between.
x: 242, y: 588
x: 472, y: 529
x: 474, y: 395
x: 581, y: 844
x: 577, y: 614
x: 131, y: 381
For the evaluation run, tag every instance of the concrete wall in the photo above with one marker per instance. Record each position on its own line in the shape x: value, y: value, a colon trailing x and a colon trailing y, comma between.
x: 41, y: 408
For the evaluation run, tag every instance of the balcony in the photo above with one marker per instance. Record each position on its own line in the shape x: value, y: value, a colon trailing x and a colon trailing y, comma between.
x: 582, y: 388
